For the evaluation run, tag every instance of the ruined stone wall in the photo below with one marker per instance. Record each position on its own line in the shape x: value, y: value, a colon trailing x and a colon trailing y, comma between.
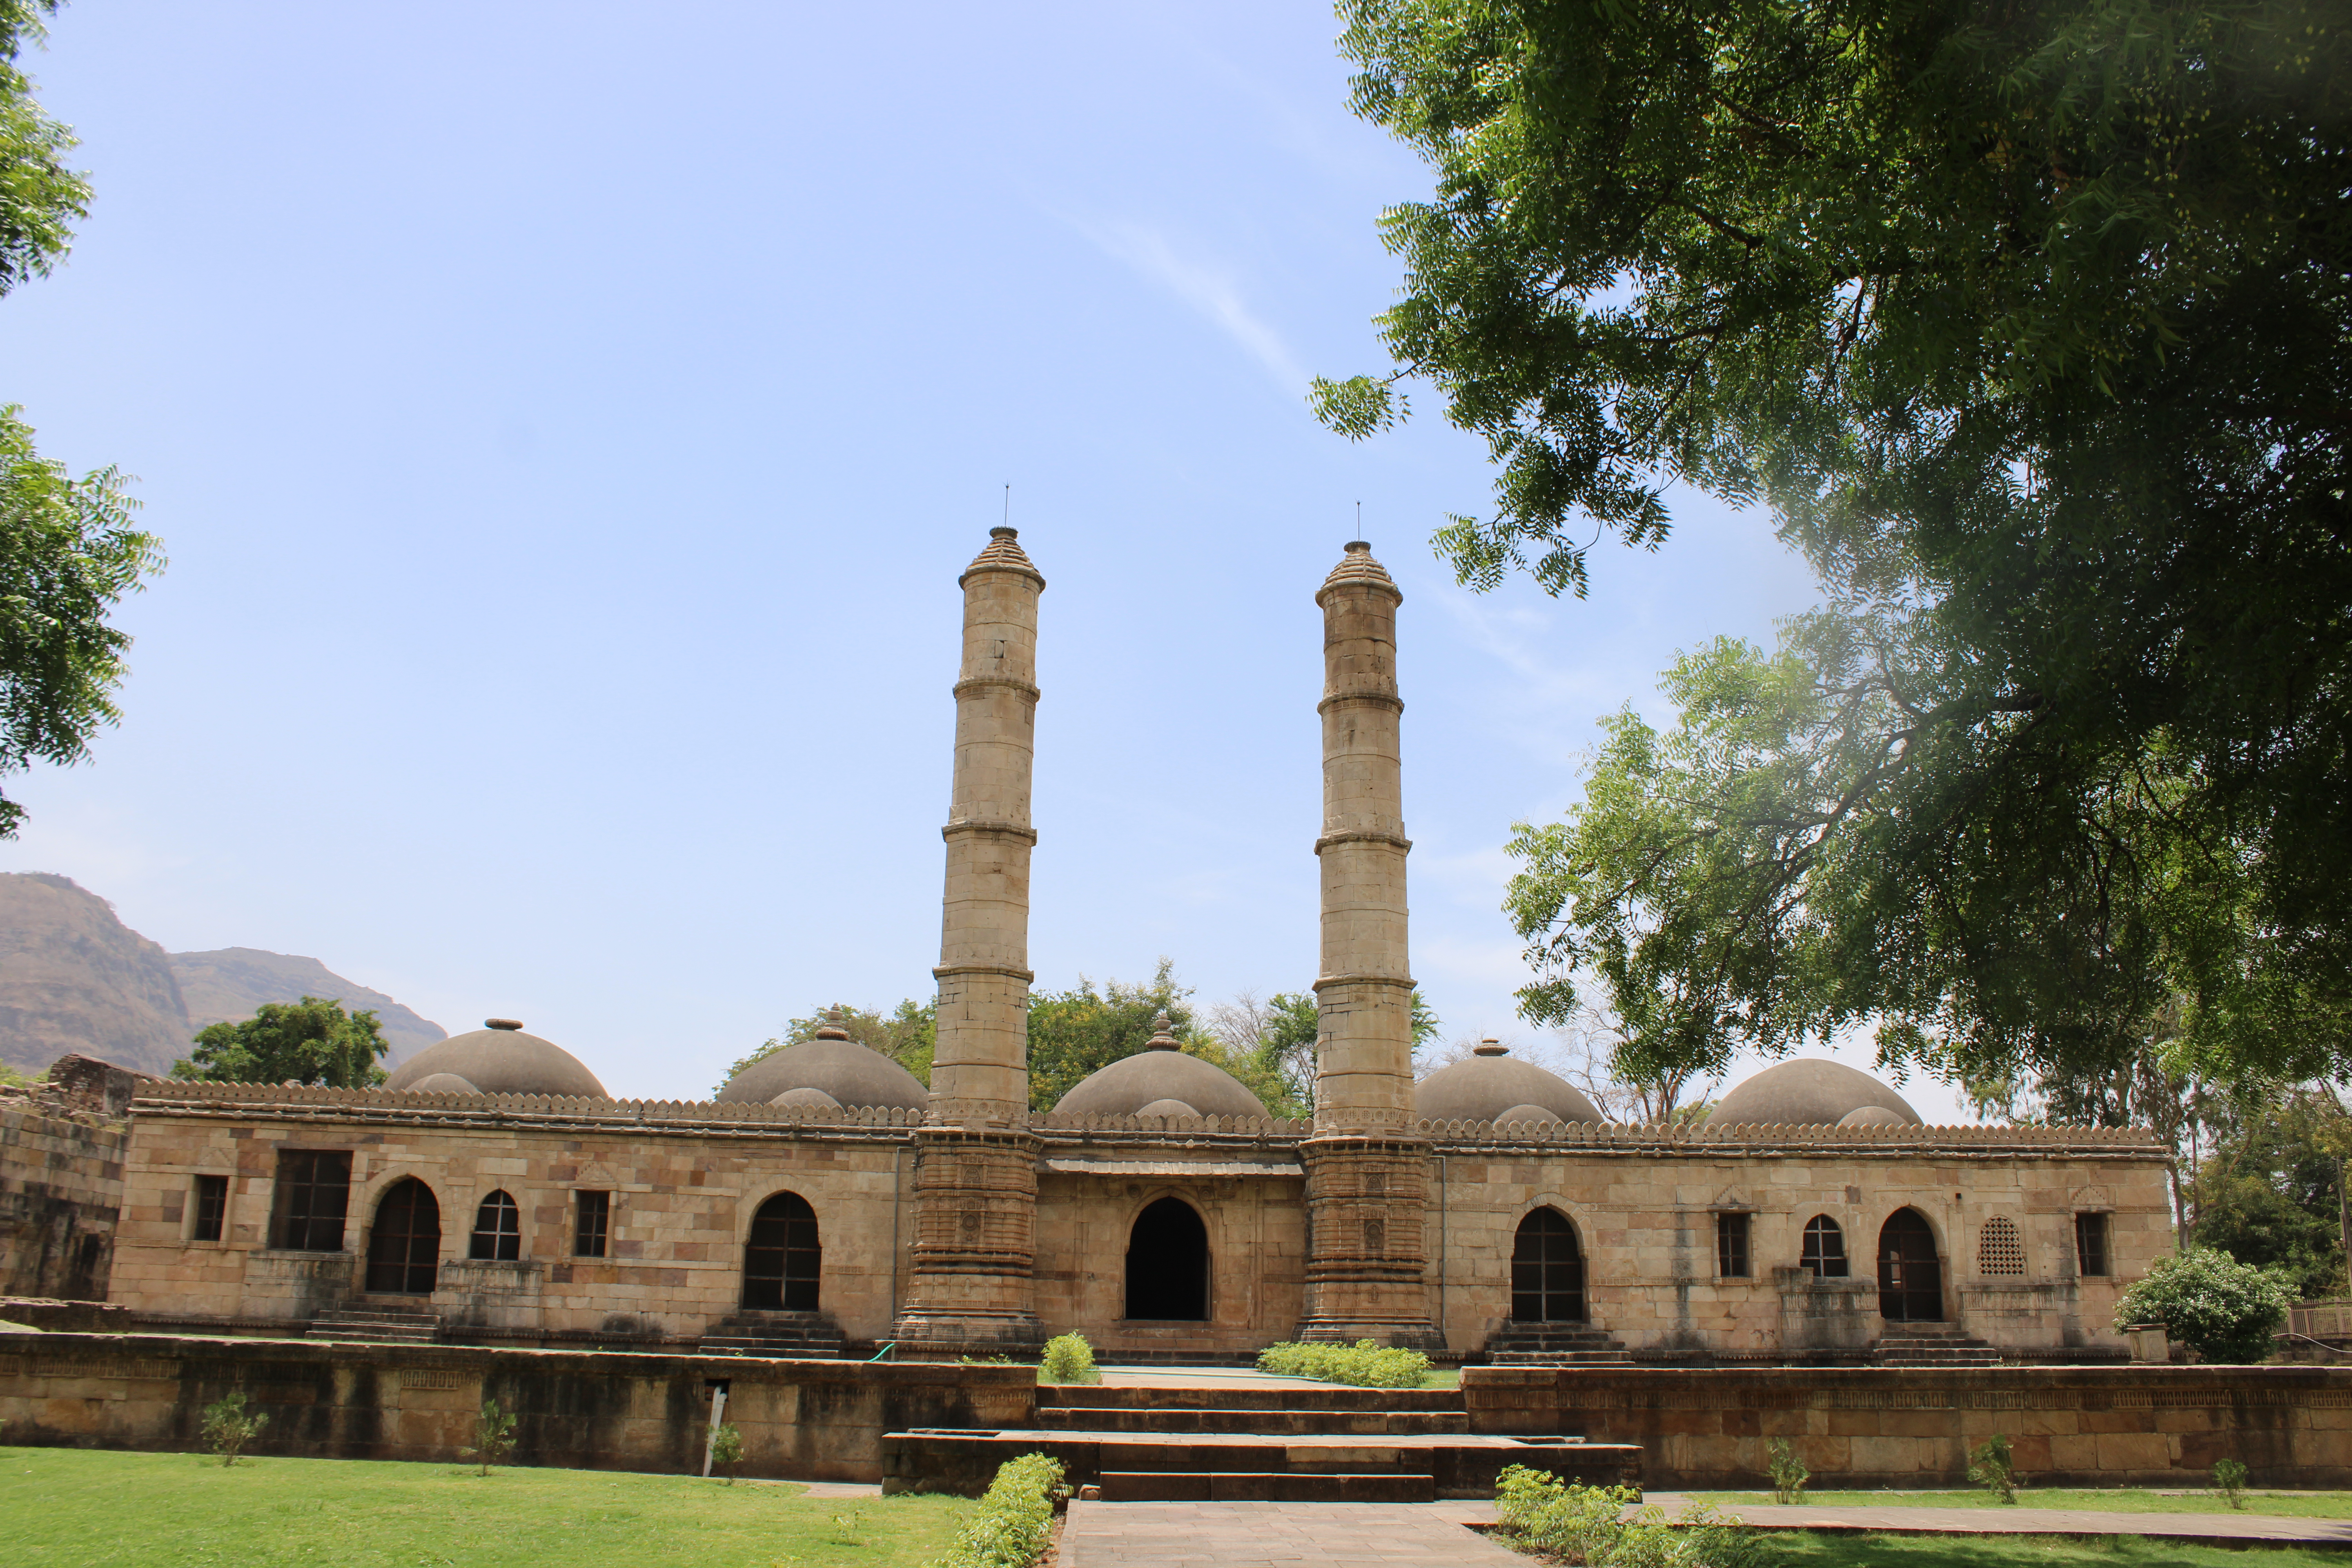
x: 1646, y: 1225
x: 683, y: 1196
x: 810, y: 1420
x: 60, y: 1189
x: 2136, y: 1426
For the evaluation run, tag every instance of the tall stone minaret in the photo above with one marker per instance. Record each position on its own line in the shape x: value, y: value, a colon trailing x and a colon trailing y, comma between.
x: 975, y: 1161
x: 1366, y: 1173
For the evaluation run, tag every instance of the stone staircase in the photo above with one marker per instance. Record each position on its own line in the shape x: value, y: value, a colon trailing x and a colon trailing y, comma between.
x: 772, y: 1334
x: 368, y: 1326
x: 1931, y: 1344
x: 1554, y: 1344
x: 1259, y: 1444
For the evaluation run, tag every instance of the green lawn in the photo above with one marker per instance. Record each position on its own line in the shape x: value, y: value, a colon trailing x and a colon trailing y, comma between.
x: 100, y: 1510
x: 1797, y: 1549
x: 1758, y: 1507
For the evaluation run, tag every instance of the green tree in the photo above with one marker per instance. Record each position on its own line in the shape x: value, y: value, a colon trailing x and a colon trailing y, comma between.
x: 67, y: 551
x: 2270, y: 1193
x: 313, y: 1041
x: 906, y: 1036
x: 2030, y: 327
x: 1073, y: 1033
x: 2226, y: 1310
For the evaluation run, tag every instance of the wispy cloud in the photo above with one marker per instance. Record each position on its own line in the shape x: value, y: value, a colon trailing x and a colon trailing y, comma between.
x: 1208, y: 286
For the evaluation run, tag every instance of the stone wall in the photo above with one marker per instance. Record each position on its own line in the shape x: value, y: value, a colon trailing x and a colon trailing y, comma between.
x: 1645, y: 1221
x: 684, y: 1192
x: 810, y: 1420
x: 2135, y: 1426
x: 61, y: 1190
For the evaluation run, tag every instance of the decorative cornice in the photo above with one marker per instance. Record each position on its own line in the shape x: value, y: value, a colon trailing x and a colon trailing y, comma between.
x: 1387, y: 699
x: 1022, y: 831
x: 1025, y: 977
x: 1405, y: 981
x: 1367, y: 836
x: 962, y: 689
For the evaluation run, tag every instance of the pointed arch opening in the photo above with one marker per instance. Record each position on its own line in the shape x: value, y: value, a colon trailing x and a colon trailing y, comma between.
x: 1168, y: 1264
x: 498, y: 1230
x: 1546, y: 1270
x: 1910, y: 1276
x: 1824, y: 1254
x: 782, y: 1258
x: 405, y: 1242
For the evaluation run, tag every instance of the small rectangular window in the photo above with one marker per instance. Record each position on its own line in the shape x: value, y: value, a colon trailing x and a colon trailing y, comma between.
x: 2090, y: 1244
x: 212, y: 1208
x: 313, y: 1192
x: 596, y: 1215
x: 1731, y: 1245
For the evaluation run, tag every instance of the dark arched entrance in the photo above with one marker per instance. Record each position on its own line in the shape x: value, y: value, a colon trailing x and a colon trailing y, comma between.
x: 1168, y: 1264
x: 1546, y: 1270
x: 1910, y: 1280
x: 781, y: 1258
x: 404, y: 1243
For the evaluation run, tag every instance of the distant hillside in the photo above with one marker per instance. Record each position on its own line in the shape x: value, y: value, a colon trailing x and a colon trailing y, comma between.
x: 235, y: 982
x: 75, y: 978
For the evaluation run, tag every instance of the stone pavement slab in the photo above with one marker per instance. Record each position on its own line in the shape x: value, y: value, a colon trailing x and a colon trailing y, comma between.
x: 1277, y: 1535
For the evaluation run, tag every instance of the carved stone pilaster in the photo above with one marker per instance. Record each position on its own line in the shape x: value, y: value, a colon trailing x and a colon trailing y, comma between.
x: 975, y: 1241
x: 1366, y: 1262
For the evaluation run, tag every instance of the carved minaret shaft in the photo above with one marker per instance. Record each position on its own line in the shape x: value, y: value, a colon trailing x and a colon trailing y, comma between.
x: 1366, y: 1174
x: 975, y: 1162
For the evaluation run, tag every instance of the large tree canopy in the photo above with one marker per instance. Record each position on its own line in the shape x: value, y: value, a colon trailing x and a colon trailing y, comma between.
x: 310, y: 1041
x: 67, y: 552
x: 2029, y: 322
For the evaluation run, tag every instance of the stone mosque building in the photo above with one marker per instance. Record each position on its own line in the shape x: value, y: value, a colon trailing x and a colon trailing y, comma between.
x: 493, y: 1191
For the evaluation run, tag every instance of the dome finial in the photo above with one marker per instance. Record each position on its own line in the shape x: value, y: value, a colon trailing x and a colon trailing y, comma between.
x: 1163, y: 1034
x: 1490, y: 1046
x: 502, y: 1023
x: 834, y: 1027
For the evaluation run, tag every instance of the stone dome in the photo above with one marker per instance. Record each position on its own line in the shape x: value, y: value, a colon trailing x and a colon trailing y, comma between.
x: 1168, y: 1108
x: 810, y: 1096
x: 442, y: 1083
x: 499, y: 1058
x: 1872, y: 1116
x: 1132, y: 1085
x: 1808, y: 1091
x: 1526, y: 1114
x: 846, y: 1072
x: 1489, y: 1086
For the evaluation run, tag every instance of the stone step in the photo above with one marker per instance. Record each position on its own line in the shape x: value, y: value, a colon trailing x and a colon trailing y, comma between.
x: 1334, y: 1397
x: 1562, y: 1358
x: 1288, y: 1422
x: 1951, y: 1358
x: 381, y: 1328
x: 1262, y: 1486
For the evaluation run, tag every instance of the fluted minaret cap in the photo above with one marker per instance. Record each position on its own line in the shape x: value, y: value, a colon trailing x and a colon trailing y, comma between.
x: 1358, y: 566
x: 1002, y: 554
x: 1163, y: 1034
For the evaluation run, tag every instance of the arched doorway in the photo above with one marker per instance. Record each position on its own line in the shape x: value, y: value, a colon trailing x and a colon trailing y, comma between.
x: 782, y: 1258
x: 404, y: 1243
x: 1546, y: 1270
x: 1910, y: 1279
x: 1168, y: 1264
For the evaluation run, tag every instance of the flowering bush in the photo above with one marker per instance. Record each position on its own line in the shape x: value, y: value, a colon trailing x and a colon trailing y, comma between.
x: 1364, y: 1365
x: 2209, y: 1299
x: 1589, y: 1525
x: 1014, y: 1519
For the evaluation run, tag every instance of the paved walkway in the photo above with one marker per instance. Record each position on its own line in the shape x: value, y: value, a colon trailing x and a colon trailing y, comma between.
x: 1404, y: 1535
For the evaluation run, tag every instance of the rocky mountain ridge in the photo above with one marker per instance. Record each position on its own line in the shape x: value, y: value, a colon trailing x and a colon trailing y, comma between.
x: 73, y: 978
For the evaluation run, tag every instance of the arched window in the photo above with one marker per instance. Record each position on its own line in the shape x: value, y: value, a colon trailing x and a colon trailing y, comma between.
x: 1546, y: 1270
x: 404, y: 1243
x: 1824, y: 1256
x: 1168, y: 1264
x: 498, y: 1230
x: 2000, y: 1249
x: 781, y: 1260
x: 1910, y: 1278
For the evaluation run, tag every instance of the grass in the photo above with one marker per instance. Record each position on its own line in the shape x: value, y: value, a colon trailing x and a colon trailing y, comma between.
x: 100, y: 1510
x: 1798, y: 1549
x: 1756, y: 1506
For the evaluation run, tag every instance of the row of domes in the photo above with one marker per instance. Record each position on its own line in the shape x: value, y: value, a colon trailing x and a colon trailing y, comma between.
x: 834, y: 1071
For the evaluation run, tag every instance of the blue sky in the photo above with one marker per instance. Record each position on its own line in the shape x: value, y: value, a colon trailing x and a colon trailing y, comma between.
x: 567, y: 424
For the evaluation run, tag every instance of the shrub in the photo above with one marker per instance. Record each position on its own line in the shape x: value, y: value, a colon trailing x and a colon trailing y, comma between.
x: 2227, y: 1310
x: 227, y: 1428
x: 1788, y: 1473
x: 1991, y: 1466
x: 1014, y: 1518
x: 1068, y: 1358
x: 726, y: 1448
x: 494, y: 1436
x: 1587, y: 1525
x: 2230, y: 1481
x: 1362, y: 1364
